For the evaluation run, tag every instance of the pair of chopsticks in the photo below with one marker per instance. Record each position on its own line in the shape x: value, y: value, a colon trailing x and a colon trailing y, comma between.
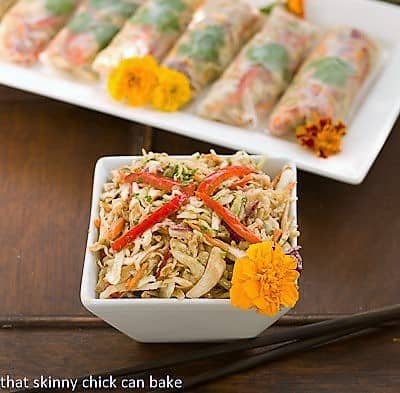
x: 291, y: 341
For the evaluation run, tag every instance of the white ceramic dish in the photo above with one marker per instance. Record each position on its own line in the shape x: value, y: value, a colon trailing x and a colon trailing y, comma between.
x: 376, y: 111
x: 169, y: 320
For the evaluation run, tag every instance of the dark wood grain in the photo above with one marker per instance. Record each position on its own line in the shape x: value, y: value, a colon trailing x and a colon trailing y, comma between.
x: 47, y: 156
x: 363, y: 365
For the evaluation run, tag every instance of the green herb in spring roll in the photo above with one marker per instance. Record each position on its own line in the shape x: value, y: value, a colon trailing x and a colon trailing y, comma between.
x: 152, y: 30
x: 321, y: 96
x: 29, y: 25
x: 91, y: 29
x: 217, y: 32
x: 253, y: 83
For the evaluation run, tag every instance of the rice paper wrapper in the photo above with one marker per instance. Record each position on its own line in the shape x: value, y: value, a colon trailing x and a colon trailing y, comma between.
x: 328, y: 82
x: 29, y: 25
x: 252, y: 85
x: 217, y: 32
x: 91, y: 29
x: 152, y: 30
x: 4, y: 5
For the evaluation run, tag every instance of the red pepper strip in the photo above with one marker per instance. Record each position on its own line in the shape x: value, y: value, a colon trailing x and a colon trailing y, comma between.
x: 164, y: 262
x: 159, y: 215
x: 229, y: 219
x: 212, y: 182
x: 159, y: 182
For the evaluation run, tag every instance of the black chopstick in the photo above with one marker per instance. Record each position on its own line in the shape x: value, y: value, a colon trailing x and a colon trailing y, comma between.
x: 317, y: 330
x: 268, y: 356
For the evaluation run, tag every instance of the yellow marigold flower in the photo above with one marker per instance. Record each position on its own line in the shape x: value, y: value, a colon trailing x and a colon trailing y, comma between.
x: 173, y: 90
x: 296, y: 7
x: 134, y: 80
x: 266, y: 279
x: 322, y: 135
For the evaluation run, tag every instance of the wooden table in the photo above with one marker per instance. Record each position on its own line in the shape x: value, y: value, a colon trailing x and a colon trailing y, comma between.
x: 48, y: 151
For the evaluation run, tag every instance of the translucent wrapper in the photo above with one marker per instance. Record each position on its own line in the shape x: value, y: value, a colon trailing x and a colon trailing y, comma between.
x: 4, y: 5
x: 152, y: 30
x: 328, y: 82
x: 253, y: 83
x: 29, y: 25
x: 218, y: 30
x: 91, y: 28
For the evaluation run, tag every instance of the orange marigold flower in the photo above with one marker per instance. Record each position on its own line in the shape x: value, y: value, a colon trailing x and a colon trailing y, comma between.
x: 296, y: 7
x: 265, y: 279
x: 172, y: 91
x: 322, y: 135
x: 134, y: 80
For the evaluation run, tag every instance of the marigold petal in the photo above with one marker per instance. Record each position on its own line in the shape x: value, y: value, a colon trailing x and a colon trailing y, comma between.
x: 267, y: 308
x: 278, y: 257
x: 115, y: 85
x: 296, y: 7
x: 239, y: 298
x: 261, y: 253
x: 322, y: 135
x: 252, y: 288
x: 291, y: 276
x: 290, y: 296
x: 290, y: 262
x: 173, y: 90
x: 243, y: 269
x: 265, y: 279
x: 133, y: 80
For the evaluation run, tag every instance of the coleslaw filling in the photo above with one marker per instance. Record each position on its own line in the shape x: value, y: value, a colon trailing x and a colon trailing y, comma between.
x: 191, y: 251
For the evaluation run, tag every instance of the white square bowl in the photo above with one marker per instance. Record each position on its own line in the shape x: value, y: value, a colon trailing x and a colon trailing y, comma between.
x: 169, y: 320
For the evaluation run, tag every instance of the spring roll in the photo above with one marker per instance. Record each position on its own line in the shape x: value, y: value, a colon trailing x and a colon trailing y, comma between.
x: 217, y: 32
x: 4, y: 5
x: 29, y: 25
x: 91, y: 29
x: 253, y: 83
x: 152, y: 30
x: 328, y: 82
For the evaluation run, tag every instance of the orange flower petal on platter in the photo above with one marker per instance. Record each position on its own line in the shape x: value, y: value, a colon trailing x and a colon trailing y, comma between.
x: 322, y: 135
x: 134, y: 80
x: 296, y: 7
x: 172, y: 92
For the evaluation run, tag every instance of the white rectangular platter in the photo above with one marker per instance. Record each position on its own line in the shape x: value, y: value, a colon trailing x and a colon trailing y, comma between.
x: 374, y: 116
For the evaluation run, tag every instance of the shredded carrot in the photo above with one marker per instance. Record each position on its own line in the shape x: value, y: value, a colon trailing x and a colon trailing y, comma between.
x: 132, y: 283
x: 197, y: 177
x: 277, y: 235
x: 241, y: 183
x: 209, y: 239
x: 116, y: 228
x: 97, y: 223
x: 276, y: 179
x: 212, y: 157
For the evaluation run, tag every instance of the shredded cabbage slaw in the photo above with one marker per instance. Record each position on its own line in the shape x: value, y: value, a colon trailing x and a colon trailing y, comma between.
x: 188, y: 251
